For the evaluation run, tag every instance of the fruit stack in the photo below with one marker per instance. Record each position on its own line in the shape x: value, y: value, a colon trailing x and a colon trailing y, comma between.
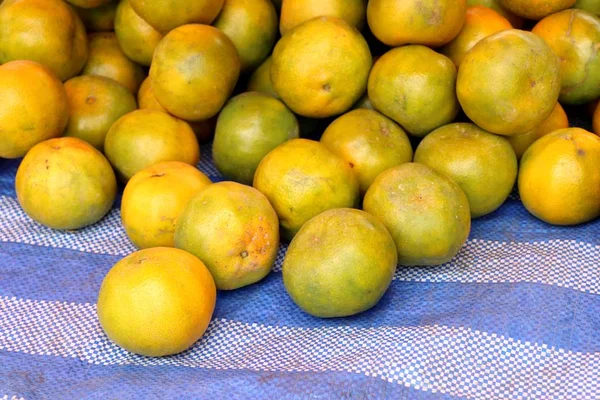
x: 367, y: 135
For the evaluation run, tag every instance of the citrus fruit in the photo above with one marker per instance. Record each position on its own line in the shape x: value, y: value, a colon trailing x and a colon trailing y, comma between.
x: 369, y: 142
x: 535, y: 9
x: 591, y: 6
x: 146, y: 137
x: 340, y: 263
x: 46, y: 31
x: 26, y: 118
x: 88, y: 3
x: 302, y: 178
x: 515, y: 20
x: 98, y: 19
x: 295, y: 12
x: 252, y: 27
x: 364, y: 102
x: 65, y: 183
x: 596, y: 120
x: 234, y: 230
x: 156, y: 302
x: 194, y: 70
x: 574, y: 35
x: 482, y: 164
x: 95, y: 103
x: 480, y: 23
x: 559, y: 177
x: 320, y: 68
x: 154, y: 198
x: 428, y: 22
x: 167, y: 15
x: 509, y: 82
x: 414, y: 86
x: 426, y: 213
x: 260, y: 80
x: 250, y: 126
x: 136, y: 37
x: 107, y: 59
x: 557, y: 120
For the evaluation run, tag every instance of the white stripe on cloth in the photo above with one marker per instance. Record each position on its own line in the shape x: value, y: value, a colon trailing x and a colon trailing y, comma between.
x: 565, y: 263
x: 438, y: 359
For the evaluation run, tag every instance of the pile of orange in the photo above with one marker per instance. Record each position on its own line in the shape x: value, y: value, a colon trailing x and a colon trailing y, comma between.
x: 426, y: 114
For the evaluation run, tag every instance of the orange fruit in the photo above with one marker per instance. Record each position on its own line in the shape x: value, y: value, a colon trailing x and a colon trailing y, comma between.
x: 136, y: 37
x: 146, y: 137
x: 88, y: 3
x: 369, y: 142
x: 535, y: 9
x: 26, y: 117
x: 234, y: 230
x: 321, y: 67
x: 515, y: 21
x: 46, y: 31
x: 591, y: 6
x: 302, y: 178
x: 574, y: 35
x: 295, y: 12
x: 340, y: 263
x: 559, y: 177
x: 479, y: 24
x: 428, y: 22
x: 65, y: 184
x: 426, y: 213
x: 156, y: 302
x: 154, y: 198
x: 557, y: 120
x: 98, y: 19
x: 167, y: 15
x: 107, y: 59
x: 414, y: 86
x: 596, y: 121
x: 509, y: 82
x: 194, y: 71
x: 260, y: 80
x: 482, y: 164
x: 252, y: 27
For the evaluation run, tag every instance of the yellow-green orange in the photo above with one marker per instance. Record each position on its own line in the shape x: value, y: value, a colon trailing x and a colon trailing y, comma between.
x: 340, y: 263
x: 234, y: 230
x: 536, y: 9
x: 156, y: 302
x: 260, y: 80
x: 295, y: 12
x: 98, y: 19
x: 426, y: 213
x: 369, y: 142
x: 137, y: 38
x: 515, y: 20
x: 559, y: 177
x: 194, y: 71
x: 482, y: 164
x: 321, y: 67
x: 509, y: 82
x: 248, y: 128
x: 591, y: 6
x: 65, y: 184
x: 166, y: 15
x: 33, y: 107
x: 46, y: 31
x: 153, y: 200
x: 95, y: 103
x: 302, y: 178
x: 414, y: 86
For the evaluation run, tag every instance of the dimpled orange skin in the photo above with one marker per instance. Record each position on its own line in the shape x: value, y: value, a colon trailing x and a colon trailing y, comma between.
x: 145, y: 137
x: 157, y: 302
x: 321, y: 67
x: 429, y: 22
x: 26, y: 118
x: 509, y: 82
x: 536, y: 9
x: 515, y: 20
x: 574, y: 35
x: 155, y: 197
x: 559, y: 177
x: 302, y: 178
x: 597, y: 120
x: 479, y: 24
x: 98, y: 19
x: 166, y: 15
x: 46, y: 31
x: 137, y: 38
x: 295, y: 12
x: 234, y: 230
x: 194, y: 70
x: 65, y: 184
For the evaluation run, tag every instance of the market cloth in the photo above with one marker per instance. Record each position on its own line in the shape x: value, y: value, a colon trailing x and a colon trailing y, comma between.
x: 516, y: 315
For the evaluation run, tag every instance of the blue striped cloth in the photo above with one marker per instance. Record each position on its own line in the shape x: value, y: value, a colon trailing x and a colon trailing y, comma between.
x: 515, y: 316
